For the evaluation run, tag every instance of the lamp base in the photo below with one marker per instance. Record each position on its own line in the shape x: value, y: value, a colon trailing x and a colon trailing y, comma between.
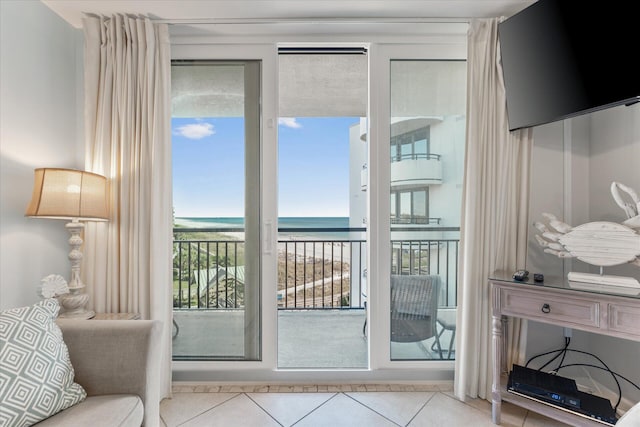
x: 75, y: 301
x: 73, y: 304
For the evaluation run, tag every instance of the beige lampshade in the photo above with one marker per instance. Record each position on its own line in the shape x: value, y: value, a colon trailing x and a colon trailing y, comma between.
x: 69, y: 194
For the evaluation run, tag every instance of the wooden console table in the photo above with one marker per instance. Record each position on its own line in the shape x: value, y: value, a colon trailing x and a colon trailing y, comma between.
x: 561, y: 303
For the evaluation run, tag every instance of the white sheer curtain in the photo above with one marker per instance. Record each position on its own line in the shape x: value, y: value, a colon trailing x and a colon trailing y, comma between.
x: 127, y: 130
x: 494, y: 213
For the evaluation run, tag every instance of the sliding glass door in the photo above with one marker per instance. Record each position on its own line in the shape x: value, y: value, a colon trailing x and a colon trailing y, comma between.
x: 216, y: 193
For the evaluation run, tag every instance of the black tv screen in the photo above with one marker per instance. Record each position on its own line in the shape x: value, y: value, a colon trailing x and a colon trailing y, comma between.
x: 562, y: 58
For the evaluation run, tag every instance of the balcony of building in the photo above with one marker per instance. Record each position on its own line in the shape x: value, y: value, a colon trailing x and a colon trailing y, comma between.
x: 410, y: 171
x: 415, y: 171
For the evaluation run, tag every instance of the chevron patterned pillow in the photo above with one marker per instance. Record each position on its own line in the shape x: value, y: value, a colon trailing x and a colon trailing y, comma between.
x: 36, y: 376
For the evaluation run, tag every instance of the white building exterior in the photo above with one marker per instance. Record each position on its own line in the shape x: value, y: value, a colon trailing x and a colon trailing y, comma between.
x: 426, y: 152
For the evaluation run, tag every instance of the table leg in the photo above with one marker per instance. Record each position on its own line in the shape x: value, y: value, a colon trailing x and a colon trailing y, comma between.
x: 497, y: 337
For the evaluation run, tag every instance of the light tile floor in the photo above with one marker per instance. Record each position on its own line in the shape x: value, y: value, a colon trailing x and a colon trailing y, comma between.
x: 335, y: 406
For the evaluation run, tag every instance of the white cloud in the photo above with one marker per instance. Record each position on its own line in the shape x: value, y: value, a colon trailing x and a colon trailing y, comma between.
x: 196, y: 130
x: 289, y: 122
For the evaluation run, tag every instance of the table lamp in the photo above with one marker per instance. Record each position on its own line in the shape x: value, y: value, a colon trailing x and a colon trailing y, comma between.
x: 75, y: 196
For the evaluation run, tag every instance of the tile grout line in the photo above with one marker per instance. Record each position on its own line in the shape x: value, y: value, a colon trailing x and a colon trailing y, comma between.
x: 372, y: 409
x: 421, y: 409
x: 263, y: 409
x: 206, y: 410
x: 316, y: 408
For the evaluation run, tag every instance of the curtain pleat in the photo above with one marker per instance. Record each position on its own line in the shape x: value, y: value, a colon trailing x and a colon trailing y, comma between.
x: 494, y: 213
x: 127, y: 128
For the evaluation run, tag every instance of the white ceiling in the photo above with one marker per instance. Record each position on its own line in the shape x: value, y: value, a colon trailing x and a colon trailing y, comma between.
x: 285, y: 21
x: 221, y: 10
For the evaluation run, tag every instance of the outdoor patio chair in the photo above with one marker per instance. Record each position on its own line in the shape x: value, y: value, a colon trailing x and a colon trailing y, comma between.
x: 414, y: 308
x: 447, y: 322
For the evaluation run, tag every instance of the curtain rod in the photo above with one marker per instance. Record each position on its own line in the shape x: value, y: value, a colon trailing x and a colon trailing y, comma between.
x: 268, y: 21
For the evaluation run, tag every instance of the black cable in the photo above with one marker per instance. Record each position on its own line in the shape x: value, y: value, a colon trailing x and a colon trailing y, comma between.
x: 606, y: 368
x: 613, y: 374
x: 567, y: 340
x: 563, y: 351
x: 548, y: 352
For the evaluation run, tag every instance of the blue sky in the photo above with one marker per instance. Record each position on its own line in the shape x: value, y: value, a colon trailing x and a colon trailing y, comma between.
x: 313, y: 169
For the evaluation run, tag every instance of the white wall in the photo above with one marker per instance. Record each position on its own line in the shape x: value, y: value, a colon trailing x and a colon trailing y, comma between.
x: 40, y: 122
x: 614, y: 156
x: 575, y: 162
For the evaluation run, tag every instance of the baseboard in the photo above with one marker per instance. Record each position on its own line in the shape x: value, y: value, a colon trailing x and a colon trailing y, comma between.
x: 271, y: 387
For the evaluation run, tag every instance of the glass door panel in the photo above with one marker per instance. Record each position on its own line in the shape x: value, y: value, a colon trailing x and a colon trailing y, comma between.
x: 216, y: 182
x: 321, y: 201
x: 427, y: 111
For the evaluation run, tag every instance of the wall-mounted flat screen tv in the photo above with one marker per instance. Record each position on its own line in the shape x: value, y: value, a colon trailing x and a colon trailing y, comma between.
x: 562, y: 58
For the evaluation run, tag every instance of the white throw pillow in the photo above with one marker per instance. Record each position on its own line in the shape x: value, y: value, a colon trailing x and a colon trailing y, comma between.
x: 36, y: 376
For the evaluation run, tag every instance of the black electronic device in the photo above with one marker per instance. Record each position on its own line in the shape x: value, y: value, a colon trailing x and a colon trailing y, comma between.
x: 544, y: 386
x: 551, y: 69
x: 538, y: 277
x: 520, y: 275
x: 560, y: 392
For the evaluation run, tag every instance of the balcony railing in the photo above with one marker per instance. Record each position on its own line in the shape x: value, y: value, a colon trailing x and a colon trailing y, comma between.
x: 415, y: 156
x: 416, y: 170
x: 415, y: 220
x: 314, y: 273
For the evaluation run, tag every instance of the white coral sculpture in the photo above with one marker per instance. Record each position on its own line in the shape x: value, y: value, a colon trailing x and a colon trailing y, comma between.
x: 53, y: 286
x: 599, y: 243
x: 631, y: 207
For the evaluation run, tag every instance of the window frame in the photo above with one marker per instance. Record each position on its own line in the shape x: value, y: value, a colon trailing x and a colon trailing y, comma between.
x: 380, y: 52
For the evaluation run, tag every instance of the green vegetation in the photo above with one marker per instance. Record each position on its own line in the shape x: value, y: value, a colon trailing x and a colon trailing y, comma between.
x: 208, y: 272
x: 197, y: 259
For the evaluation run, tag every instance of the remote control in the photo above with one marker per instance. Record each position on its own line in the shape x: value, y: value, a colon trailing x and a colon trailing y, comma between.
x: 520, y: 275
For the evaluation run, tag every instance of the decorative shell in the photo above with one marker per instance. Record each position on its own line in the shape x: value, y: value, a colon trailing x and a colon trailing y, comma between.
x: 52, y: 286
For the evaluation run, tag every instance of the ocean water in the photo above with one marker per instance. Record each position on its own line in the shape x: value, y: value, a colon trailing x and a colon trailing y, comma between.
x: 221, y: 223
x: 283, y: 222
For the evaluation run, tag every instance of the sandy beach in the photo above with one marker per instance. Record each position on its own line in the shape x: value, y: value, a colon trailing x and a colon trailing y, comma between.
x: 302, y: 246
